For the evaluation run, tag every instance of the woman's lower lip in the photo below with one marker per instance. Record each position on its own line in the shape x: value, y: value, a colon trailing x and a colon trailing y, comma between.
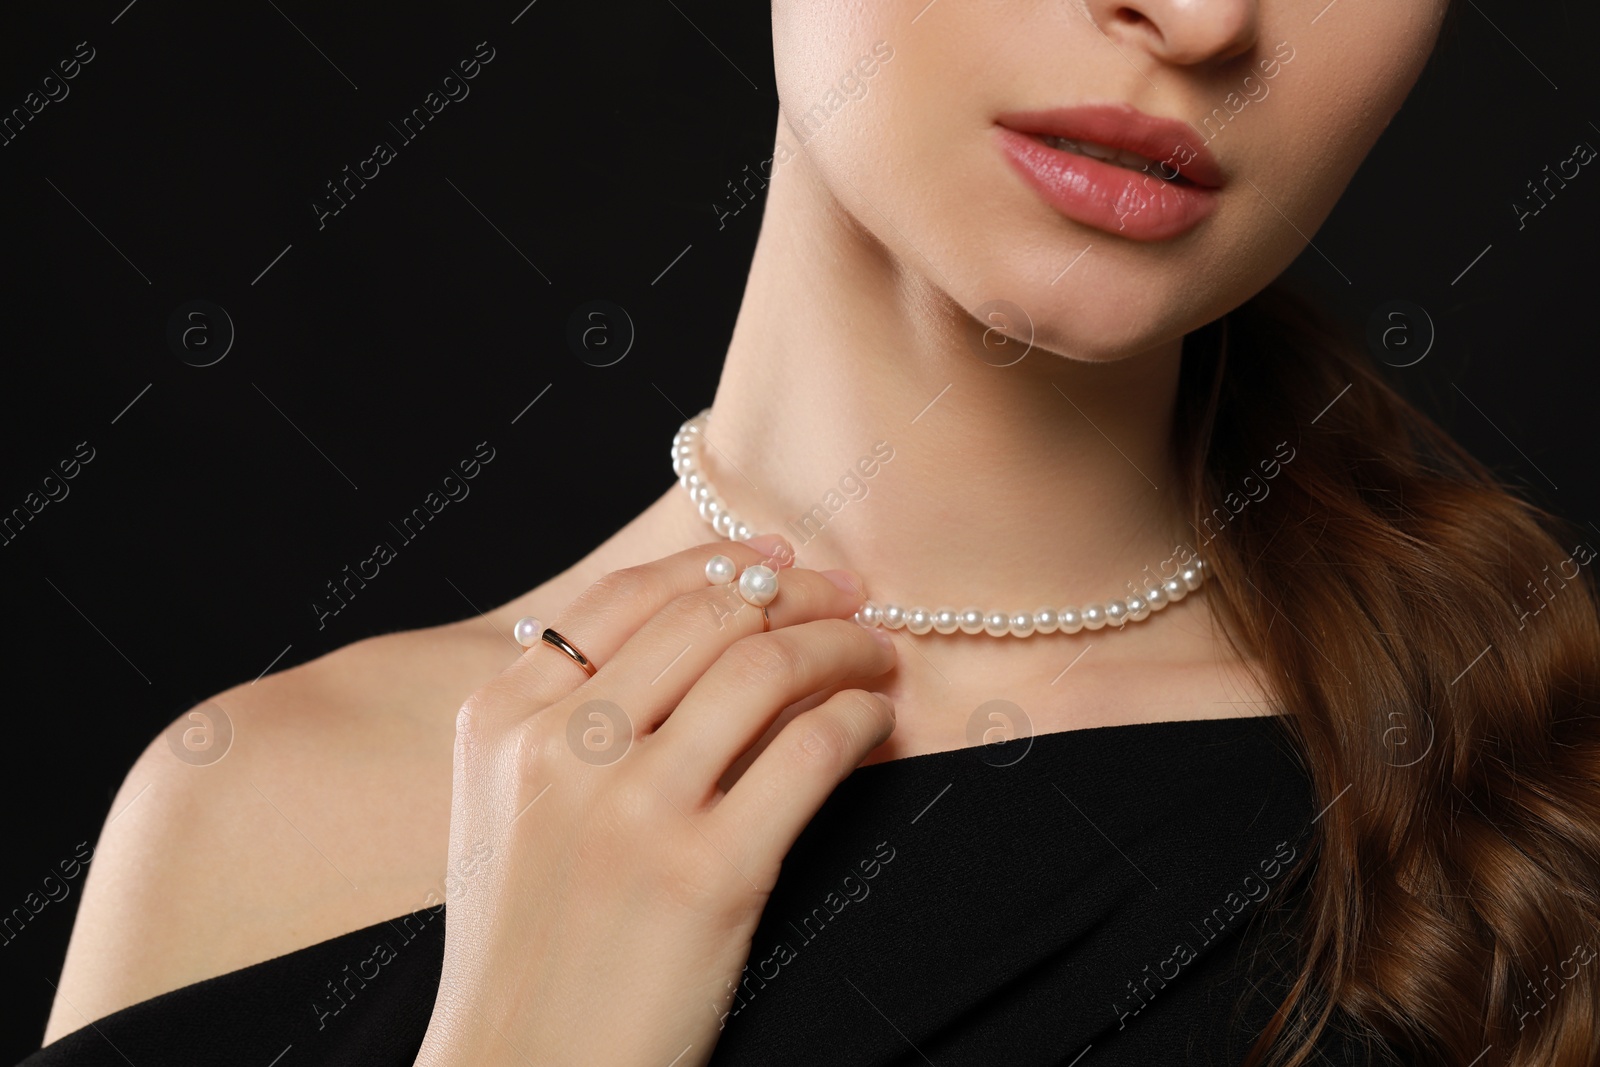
x: 1128, y: 203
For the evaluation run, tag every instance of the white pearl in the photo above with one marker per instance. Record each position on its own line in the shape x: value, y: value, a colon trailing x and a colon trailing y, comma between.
x: 683, y: 451
x: 1045, y: 621
x: 869, y: 614
x: 1174, y: 589
x: 1022, y: 624
x: 970, y: 621
x: 705, y: 508
x: 1138, y: 609
x: 1116, y: 613
x: 527, y: 631
x: 919, y: 620
x: 1070, y: 621
x: 723, y: 524
x: 1156, y: 598
x: 1191, y: 578
x: 1094, y: 617
x: 946, y: 621
x: 758, y: 584
x: 996, y: 623
x: 894, y: 616
x: 700, y: 493
x: 720, y: 570
x: 741, y: 532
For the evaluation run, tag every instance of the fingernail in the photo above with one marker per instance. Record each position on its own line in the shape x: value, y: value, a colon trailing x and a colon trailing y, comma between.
x: 846, y: 581
x: 887, y: 699
x: 881, y: 636
x: 773, y: 546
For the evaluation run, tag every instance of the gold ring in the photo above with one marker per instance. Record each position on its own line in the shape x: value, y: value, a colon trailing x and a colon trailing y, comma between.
x: 551, y: 637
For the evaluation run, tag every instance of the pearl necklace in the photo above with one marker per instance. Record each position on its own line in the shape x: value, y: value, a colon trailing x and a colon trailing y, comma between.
x: 1114, y: 613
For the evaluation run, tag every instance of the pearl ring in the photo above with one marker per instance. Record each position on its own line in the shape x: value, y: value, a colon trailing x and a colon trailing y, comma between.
x: 757, y: 583
x: 529, y: 631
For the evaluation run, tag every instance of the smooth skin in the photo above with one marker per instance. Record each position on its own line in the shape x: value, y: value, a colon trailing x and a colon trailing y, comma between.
x: 343, y: 802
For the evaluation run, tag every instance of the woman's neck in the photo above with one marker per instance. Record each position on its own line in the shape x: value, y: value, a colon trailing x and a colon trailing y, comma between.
x: 1014, y: 487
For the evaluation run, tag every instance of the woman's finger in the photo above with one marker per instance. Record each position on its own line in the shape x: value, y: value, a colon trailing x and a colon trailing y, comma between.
x: 736, y: 700
x: 602, y: 618
x: 605, y: 615
x: 781, y: 791
x: 653, y: 671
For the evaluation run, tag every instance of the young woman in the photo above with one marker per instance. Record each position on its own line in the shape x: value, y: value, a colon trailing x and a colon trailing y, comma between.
x: 1250, y: 748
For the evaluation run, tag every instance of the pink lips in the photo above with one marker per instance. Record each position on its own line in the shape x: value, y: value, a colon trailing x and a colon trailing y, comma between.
x: 1139, y: 205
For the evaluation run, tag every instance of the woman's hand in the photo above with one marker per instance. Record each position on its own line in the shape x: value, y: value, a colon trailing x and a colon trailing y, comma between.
x: 615, y: 887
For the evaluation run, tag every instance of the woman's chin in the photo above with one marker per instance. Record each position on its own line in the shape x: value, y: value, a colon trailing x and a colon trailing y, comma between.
x: 1084, y: 327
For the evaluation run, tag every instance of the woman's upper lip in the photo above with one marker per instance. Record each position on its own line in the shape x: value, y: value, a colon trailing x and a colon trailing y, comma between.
x: 1121, y: 126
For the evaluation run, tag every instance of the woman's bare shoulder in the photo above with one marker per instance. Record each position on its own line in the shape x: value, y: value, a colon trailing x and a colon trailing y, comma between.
x: 275, y: 815
x: 328, y: 810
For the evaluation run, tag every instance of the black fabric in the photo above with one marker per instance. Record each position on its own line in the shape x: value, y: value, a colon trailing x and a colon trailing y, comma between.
x: 1085, y: 898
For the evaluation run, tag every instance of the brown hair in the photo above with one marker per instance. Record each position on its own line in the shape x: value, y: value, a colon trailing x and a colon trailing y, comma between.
x: 1438, y: 644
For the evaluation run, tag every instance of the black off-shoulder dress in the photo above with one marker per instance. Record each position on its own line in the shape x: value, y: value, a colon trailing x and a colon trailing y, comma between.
x: 1098, y: 897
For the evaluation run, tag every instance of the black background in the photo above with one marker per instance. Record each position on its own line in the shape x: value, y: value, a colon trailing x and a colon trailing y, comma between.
x: 428, y: 314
